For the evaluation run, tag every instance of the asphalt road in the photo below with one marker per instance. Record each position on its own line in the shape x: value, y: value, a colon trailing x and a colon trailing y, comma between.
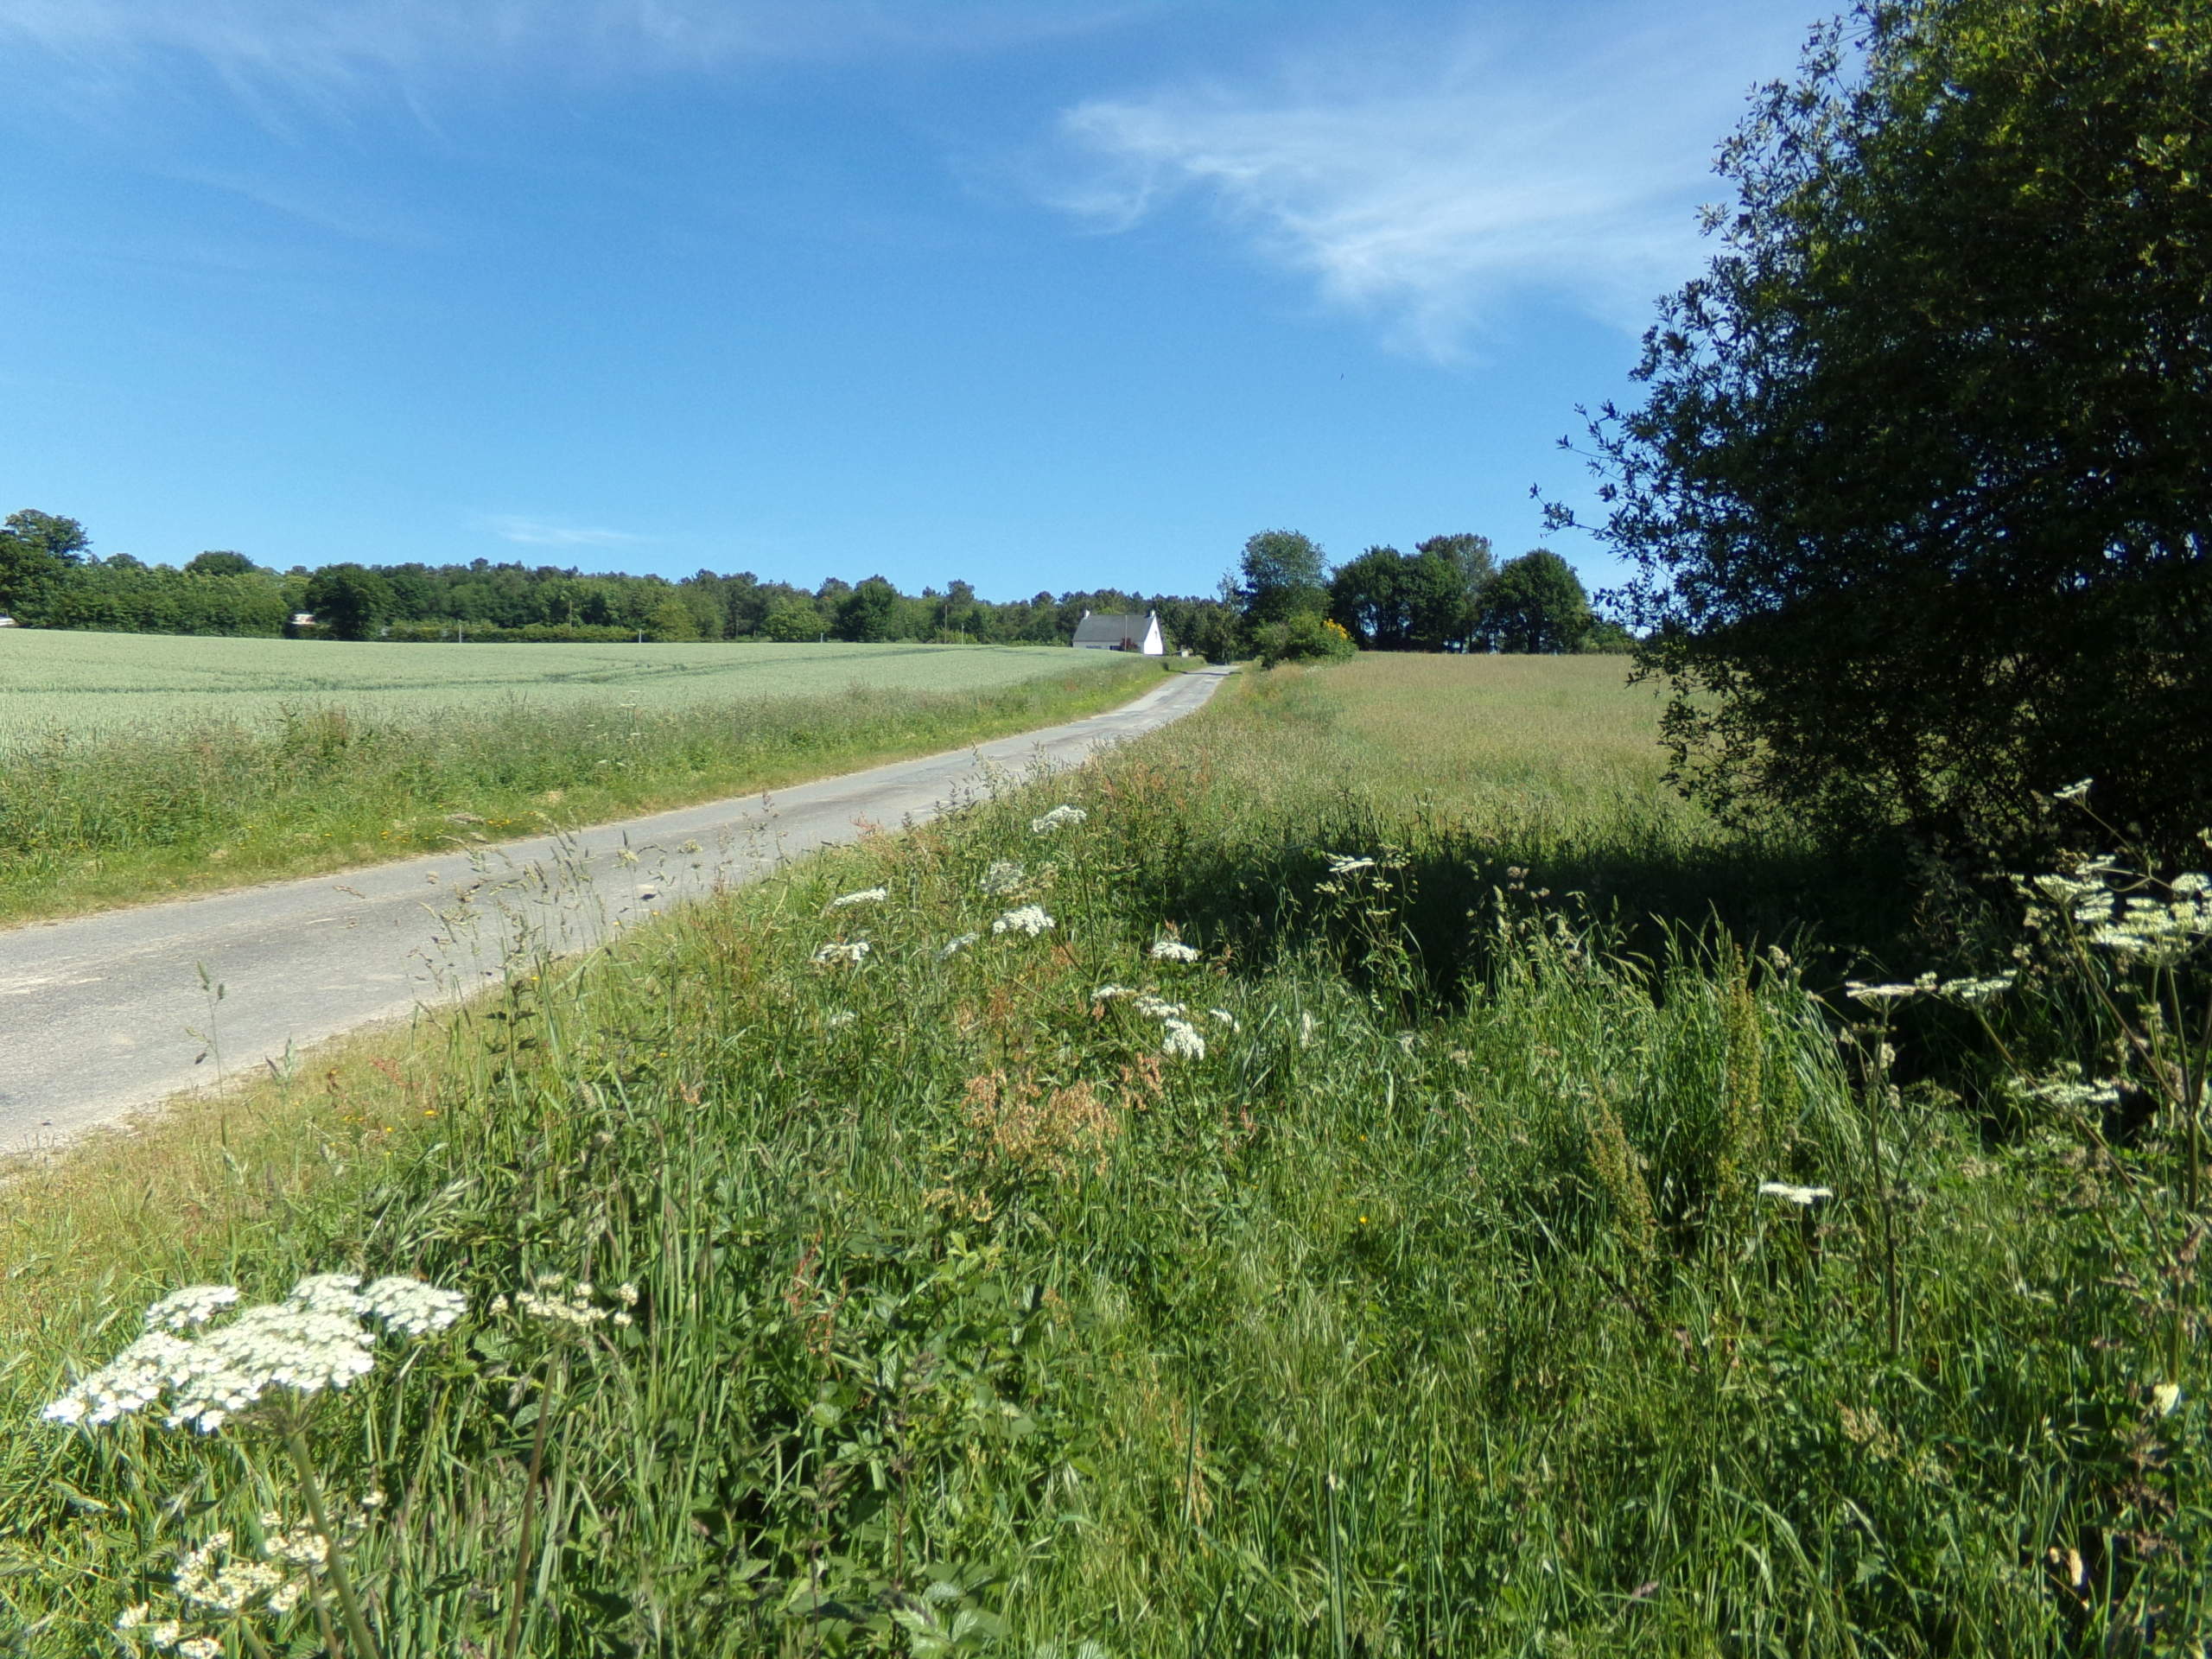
x: 105, y: 1015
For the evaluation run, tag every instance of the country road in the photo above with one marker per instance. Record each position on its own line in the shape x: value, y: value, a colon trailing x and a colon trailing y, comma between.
x: 116, y: 1012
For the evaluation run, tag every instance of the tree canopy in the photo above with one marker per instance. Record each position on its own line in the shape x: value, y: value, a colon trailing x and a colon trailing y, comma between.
x: 1919, y: 492
x: 1535, y: 603
x: 1285, y: 574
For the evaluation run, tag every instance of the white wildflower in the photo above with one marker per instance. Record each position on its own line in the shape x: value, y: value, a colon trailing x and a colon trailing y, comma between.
x: 1030, y: 919
x: 2073, y: 792
x: 313, y: 1340
x: 1226, y: 1018
x: 1806, y: 1197
x: 132, y: 1616
x: 1860, y: 992
x: 1003, y: 877
x: 300, y: 1546
x: 576, y: 1308
x: 1156, y: 1007
x: 1975, y: 991
x: 200, y: 1647
x: 1060, y: 817
x: 410, y: 1307
x: 839, y: 1019
x: 2166, y: 1398
x: 1110, y: 993
x: 1305, y: 1029
x: 865, y: 896
x: 1180, y: 1040
x: 187, y: 1310
x: 852, y: 951
x: 1350, y: 864
x: 1172, y: 951
x: 227, y: 1588
x: 499, y: 1303
x: 955, y: 945
x: 2070, y: 1093
x: 627, y: 1294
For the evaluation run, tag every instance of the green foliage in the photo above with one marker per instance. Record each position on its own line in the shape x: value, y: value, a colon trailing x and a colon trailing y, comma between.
x: 37, y: 550
x: 1306, y: 637
x: 1917, y: 490
x: 350, y: 600
x: 1284, y: 574
x: 869, y: 612
x: 219, y: 563
x: 1535, y: 603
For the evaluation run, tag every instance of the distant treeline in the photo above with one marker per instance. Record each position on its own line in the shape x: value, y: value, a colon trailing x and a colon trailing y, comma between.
x: 50, y: 579
x: 1283, y: 601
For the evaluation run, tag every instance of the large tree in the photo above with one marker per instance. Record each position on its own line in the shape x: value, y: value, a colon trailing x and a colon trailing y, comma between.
x: 1535, y: 603
x: 1368, y: 599
x: 37, y: 549
x: 1920, y: 492
x: 350, y: 600
x: 1284, y: 574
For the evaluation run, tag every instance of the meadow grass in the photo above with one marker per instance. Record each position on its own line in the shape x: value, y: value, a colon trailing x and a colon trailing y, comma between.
x: 171, y: 807
x: 980, y: 1310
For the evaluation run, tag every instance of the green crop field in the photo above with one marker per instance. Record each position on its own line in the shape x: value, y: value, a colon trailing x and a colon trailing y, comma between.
x: 136, y: 766
x: 1347, y: 1174
x: 88, y: 683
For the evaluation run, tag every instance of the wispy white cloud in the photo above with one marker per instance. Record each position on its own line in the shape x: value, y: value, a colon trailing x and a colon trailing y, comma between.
x: 329, y: 51
x: 1430, y: 182
x: 545, y: 532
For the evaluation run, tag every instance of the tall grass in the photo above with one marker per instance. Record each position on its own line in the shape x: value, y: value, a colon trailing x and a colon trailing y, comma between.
x: 141, y: 813
x: 1417, y: 1315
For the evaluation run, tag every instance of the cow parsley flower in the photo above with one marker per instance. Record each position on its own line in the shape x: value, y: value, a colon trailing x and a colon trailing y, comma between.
x: 313, y: 1340
x: 577, y: 1308
x: 411, y: 1308
x: 1060, y: 817
x: 187, y: 1310
x: 1804, y: 1197
x: 1975, y: 991
x: 865, y: 896
x: 1226, y: 1018
x: 1181, y: 1039
x: 1003, y: 877
x: 952, y: 947
x: 1859, y: 991
x: 1172, y: 951
x: 1110, y: 993
x: 1030, y: 919
x: 854, y: 952
x: 2073, y: 792
x: 1347, y: 863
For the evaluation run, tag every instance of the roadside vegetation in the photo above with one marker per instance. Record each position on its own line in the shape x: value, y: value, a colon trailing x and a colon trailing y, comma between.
x: 207, y: 788
x: 1235, y: 1198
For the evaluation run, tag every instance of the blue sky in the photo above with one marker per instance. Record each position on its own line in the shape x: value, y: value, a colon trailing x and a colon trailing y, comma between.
x: 1050, y: 295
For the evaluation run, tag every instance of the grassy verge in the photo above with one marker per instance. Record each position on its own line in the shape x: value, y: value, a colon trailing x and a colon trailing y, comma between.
x: 89, y: 825
x: 941, y: 1299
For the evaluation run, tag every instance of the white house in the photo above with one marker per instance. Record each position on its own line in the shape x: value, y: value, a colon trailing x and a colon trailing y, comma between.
x: 1137, y: 633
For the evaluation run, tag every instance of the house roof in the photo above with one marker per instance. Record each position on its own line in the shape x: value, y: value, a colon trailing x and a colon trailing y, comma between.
x: 1094, y: 630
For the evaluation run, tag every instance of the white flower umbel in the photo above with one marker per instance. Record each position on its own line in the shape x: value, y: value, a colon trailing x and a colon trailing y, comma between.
x: 1030, y: 919
x: 313, y: 1340
x: 1859, y: 991
x: 848, y: 952
x: 1172, y: 951
x: 408, y: 1307
x: 1805, y: 1197
x: 1003, y: 877
x: 1226, y: 1018
x: 1060, y: 817
x: 1348, y: 863
x: 1110, y: 993
x: 952, y: 947
x: 1156, y: 1007
x: 865, y: 896
x: 1181, y: 1041
x: 187, y: 1310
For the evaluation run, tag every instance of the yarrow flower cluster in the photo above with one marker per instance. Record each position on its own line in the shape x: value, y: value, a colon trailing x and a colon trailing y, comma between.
x: 1060, y: 817
x: 865, y: 896
x: 853, y: 952
x: 313, y: 1339
x: 1003, y: 877
x: 1030, y: 919
x: 1172, y: 951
